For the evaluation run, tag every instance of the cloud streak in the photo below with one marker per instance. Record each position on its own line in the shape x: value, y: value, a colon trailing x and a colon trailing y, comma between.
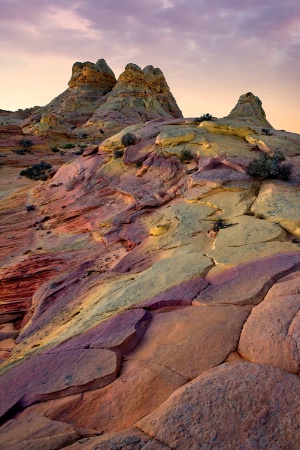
x: 202, y: 47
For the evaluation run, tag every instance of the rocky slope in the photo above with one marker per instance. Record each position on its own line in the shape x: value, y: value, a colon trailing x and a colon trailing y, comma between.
x: 150, y: 293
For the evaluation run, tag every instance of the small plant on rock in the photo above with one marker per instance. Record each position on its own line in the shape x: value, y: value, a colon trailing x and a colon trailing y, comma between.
x: 118, y: 153
x: 267, y: 166
x: 26, y: 143
x: 68, y: 145
x: 37, y: 171
x: 185, y: 155
x: 204, y: 117
x: 55, y: 149
x: 267, y: 131
x: 128, y: 139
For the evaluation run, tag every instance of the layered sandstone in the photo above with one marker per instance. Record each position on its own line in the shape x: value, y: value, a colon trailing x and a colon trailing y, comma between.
x: 150, y: 301
x: 88, y: 85
x: 96, y: 104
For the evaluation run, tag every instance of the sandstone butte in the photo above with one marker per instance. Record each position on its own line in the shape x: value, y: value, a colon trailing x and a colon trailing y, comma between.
x: 150, y: 287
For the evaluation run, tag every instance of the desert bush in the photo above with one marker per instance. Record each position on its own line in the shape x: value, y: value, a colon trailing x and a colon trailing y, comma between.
x: 68, y: 145
x: 204, y: 117
x: 118, y: 153
x: 37, y: 171
x: 79, y: 151
x: 267, y: 131
x: 26, y: 143
x: 128, y: 139
x: 20, y: 152
x: 267, y: 166
x: 55, y: 149
x: 185, y: 155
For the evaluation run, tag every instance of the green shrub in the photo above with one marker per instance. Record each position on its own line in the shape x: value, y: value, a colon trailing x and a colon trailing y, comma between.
x: 26, y: 143
x: 79, y: 151
x: 68, y: 145
x: 37, y: 171
x: 118, y: 153
x: 185, y: 155
x: 204, y: 117
x: 20, y: 152
x: 267, y: 166
x: 128, y: 139
x: 267, y: 131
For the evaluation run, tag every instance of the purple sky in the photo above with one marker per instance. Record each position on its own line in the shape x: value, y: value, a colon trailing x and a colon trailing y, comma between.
x: 210, y: 51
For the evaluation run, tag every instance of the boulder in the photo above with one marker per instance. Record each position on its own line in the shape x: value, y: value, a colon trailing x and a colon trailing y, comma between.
x: 239, y: 405
x: 36, y: 432
x: 271, y: 335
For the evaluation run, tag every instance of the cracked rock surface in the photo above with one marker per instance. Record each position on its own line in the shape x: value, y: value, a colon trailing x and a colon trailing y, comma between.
x: 149, y: 302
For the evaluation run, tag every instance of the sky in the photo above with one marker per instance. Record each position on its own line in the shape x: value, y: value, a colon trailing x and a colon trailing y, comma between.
x: 210, y: 51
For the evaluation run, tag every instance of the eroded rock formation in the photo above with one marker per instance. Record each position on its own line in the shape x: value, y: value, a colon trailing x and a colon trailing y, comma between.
x: 96, y: 103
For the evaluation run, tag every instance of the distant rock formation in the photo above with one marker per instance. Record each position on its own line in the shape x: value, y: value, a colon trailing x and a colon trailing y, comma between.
x: 138, y: 96
x: 248, y: 116
x: 249, y: 109
x: 98, y: 104
x: 87, y: 87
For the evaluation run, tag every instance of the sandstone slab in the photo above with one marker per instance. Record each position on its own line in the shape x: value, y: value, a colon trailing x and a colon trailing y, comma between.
x: 174, y: 136
x: 75, y: 371
x: 247, y: 230
x: 230, y: 204
x: 238, y: 405
x: 279, y: 202
x: 247, y: 284
x: 246, y: 253
x: 36, y: 432
x: 119, y: 334
x: 180, y: 295
x: 129, y: 439
x: 126, y: 400
x: 191, y: 340
x: 218, y: 177
x: 271, y: 335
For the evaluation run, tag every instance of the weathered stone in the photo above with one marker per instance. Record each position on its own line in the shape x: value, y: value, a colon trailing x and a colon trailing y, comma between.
x: 126, y: 400
x: 129, y: 439
x: 36, y: 432
x: 230, y: 204
x: 271, y: 334
x: 245, y: 230
x: 274, y: 203
x: 217, y: 177
x: 194, y: 339
x: 120, y: 334
x: 180, y: 295
x: 75, y: 371
x: 237, y: 405
x: 247, y: 284
x: 174, y: 136
x: 238, y: 255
